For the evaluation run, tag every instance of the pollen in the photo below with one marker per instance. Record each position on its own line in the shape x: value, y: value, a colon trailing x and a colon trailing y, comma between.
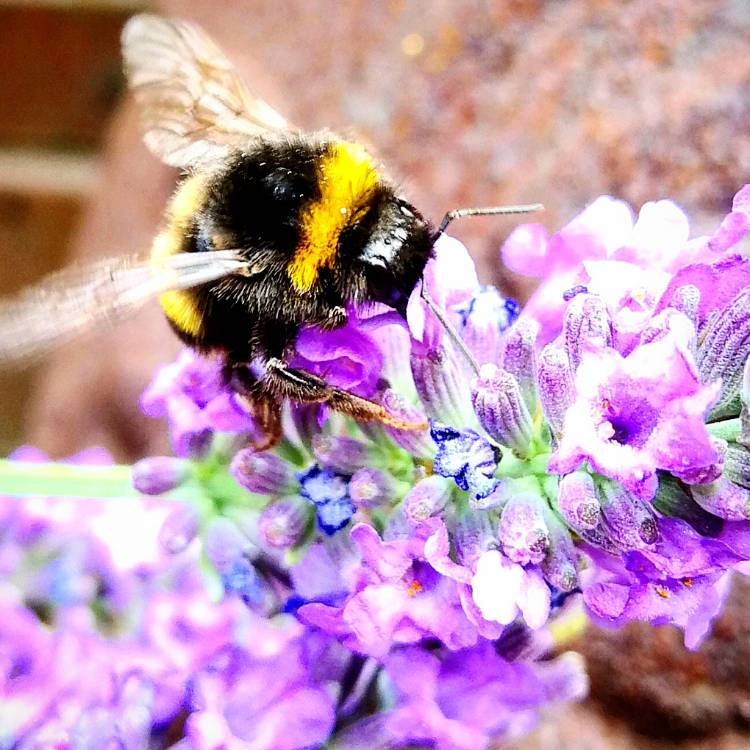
x: 687, y: 582
x: 662, y: 592
x: 347, y: 178
x: 413, y: 588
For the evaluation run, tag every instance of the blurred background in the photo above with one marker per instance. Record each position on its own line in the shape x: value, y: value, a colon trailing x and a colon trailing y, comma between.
x: 469, y: 102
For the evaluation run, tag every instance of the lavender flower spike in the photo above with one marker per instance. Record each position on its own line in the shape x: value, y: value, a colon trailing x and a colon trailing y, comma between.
x: 498, y: 402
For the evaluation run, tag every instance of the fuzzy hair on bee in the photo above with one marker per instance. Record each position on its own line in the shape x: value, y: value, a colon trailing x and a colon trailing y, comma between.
x: 269, y: 230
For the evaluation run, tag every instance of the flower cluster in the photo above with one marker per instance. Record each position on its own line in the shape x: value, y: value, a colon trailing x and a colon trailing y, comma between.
x: 380, y: 587
x: 594, y: 444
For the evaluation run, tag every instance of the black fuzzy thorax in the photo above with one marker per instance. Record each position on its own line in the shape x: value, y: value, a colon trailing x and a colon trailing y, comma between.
x: 256, y: 204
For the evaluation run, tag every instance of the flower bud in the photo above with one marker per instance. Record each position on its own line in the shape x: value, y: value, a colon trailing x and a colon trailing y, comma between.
x: 744, y: 438
x: 427, y: 498
x: 179, y: 529
x: 519, y: 358
x: 159, y: 474
x: 723, y: 352
x: 497, y: 400
x: 370, y: 488
x: 737, y: 465
x: 442, y: 386
x: 282, y: 524
x: 586, y: 321
x: 473, y: 534
x: 262, y: 473
x: 416, y: 442
x: 724, y: 499
x: 629, y: 520
x: 578, y: 502
x: 687, y: 299
x: 342, y: 454
x: 556, y: 390
x: 560, y: 563
x: 522, y: 530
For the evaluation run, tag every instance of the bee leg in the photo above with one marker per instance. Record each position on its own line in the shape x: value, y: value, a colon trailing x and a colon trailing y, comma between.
x: 303, y: 386
x: 266, y: 410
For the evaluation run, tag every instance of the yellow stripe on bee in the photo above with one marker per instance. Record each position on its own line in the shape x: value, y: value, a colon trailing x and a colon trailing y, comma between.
x: 179, y: 306
x: 346, y: 178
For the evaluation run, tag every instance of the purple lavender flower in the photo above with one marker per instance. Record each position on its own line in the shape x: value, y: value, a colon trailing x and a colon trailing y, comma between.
x: 329, y: 493
x: 398, y: 598
x: 473, y: 696
x: 636, y: 414
x: 346, y: 357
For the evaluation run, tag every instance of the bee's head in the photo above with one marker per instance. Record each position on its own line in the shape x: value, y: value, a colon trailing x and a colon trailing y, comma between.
x: 395, y: 253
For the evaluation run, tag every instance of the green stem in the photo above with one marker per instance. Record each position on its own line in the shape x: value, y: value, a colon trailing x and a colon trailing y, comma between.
x: 25, y: 479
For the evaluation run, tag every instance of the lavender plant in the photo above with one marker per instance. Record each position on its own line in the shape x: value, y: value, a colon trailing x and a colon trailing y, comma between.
x: 363, y: 586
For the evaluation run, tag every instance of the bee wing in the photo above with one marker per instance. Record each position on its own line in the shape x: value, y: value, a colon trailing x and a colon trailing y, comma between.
x: 195, y: 107
x: 66, y: 303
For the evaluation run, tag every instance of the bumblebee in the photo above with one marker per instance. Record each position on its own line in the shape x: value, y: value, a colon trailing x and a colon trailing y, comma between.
x: 269, y: 230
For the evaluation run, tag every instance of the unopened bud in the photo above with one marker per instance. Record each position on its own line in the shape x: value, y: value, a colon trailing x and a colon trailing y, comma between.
x: 556, y: 391
x: 262, y: 473
x: 586, y: 321
x: 282, y: 524
x: 497, y: 400
x: 522, y: 530
x: 578, y: 502
x: 629, y: 520
x: 427, y: 498
x: 519, y: 358
x: 369, y: 488
x: 159, y: 474
x: 724, y: 499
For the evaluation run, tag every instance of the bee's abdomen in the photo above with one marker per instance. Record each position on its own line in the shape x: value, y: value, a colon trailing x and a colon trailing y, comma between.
x: 177, y: 236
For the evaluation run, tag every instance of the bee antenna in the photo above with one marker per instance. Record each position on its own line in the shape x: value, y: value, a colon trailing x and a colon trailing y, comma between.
x: 458, y: 213
x: 449, y: 329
